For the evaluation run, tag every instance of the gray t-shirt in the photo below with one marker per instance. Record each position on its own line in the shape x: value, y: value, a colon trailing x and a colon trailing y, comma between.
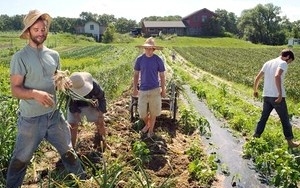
x: 38, y: 67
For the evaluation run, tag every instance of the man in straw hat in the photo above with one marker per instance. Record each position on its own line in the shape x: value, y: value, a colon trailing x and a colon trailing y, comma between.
x: 31, y: 76
x: 150, y: 69
x: 85, y: 85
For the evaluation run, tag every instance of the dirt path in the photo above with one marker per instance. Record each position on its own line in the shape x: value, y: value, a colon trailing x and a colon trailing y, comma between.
x: 228, y: 150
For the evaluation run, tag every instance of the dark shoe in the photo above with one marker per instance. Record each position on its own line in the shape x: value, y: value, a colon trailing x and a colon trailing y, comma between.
x: 100, y: 143
x: 59, y: 164
x: 150, y: 135
x: 95, y: 157
x: 138, y: 125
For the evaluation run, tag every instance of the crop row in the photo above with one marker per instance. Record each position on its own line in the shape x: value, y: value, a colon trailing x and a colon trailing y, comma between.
x: 241, y: 65
x: 277, y: 165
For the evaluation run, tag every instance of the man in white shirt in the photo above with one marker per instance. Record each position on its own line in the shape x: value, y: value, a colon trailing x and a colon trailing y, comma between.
x: 274, y: 94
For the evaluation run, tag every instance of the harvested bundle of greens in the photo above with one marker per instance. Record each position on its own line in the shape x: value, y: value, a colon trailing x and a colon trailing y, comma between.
x: 63, y: 86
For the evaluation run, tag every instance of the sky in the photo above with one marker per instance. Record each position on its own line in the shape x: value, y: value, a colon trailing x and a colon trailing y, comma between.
x: 138, y: 9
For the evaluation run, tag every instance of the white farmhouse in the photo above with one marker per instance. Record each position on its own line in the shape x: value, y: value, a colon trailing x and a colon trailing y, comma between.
x: 293, y: 41
x: 94, y: 28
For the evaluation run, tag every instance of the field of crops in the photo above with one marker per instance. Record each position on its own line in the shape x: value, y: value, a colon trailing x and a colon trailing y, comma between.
x: 241, y: 65
x: 112, y: 65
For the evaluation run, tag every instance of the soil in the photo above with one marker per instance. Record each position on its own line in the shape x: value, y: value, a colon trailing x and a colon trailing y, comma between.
x: 168, y: 158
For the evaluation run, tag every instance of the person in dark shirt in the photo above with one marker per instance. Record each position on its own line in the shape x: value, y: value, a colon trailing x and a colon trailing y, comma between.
x: 85, y: 85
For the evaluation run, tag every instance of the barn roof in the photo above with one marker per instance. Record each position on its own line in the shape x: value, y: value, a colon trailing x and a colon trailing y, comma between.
x: 162, y: 24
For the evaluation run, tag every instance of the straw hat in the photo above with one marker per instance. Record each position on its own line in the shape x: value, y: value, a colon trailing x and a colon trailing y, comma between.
x: 82, y: 83
x: 149, y: 43
x: 31, y: 18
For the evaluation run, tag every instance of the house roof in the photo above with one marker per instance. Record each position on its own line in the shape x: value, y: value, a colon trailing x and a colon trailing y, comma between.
x: 201, y: 10
x: 161, y: 24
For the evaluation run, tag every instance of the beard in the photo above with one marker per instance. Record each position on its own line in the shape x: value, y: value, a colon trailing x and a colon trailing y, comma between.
x: 38, y: 40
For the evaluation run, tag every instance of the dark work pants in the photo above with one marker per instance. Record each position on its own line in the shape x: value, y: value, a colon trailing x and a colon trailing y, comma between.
x: 282, y: 111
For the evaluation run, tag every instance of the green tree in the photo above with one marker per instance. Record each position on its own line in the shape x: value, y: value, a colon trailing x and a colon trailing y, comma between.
x: 262, y: 25
x: 62, y: 24
x: 88, y: 16
x: 227, y: 20
x: 108, y: 35
x: 123, y: 25
x: 106, y: 19
x: 296, y: 29
x: 212, y: 27
x: 7, y: 23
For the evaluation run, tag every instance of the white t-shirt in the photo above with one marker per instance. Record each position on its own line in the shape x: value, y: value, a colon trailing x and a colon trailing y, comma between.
x: 269, y: 69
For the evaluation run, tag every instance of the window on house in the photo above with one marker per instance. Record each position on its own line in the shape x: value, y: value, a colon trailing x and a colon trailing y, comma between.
x: 195, y: 18
x: 204, y: 18
x: 91, y: 27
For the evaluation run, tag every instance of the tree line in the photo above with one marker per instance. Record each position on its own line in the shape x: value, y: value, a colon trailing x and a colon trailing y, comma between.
x: 261, y: 24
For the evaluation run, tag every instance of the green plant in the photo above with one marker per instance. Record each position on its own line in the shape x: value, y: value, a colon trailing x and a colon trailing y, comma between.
x: 141, y: 151
x: 195, y: 152
x: 143, y: 178
x: 255, y: 147
x: 188, y: 121
x: 225, y: 169
x: 235, y: 178
x: 202, y: 172
x: 8, y: 131
x: 204, y: 126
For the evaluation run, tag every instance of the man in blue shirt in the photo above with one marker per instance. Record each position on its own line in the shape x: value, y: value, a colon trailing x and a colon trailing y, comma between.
x: 149, y: 84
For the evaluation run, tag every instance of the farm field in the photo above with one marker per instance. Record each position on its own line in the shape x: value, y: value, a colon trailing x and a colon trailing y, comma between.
x: 220, y: 72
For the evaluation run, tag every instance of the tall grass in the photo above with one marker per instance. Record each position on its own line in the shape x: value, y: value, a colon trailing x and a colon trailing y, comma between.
x: 8, y: 121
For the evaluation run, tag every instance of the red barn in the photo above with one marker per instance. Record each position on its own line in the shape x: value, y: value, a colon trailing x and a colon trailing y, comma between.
x: 191, y: 25
x: 196, y: 21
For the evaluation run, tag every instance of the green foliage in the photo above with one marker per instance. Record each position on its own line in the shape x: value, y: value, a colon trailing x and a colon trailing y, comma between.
x: 232, y: 104
x: 195, y: 152
x: 8, y: 131
x: 203, y: 171
x: 109, y: 176
x: 218, y: 61
x: 255, y: 147
x: 230, y: 59
x: 201, y: 168
x: 204, y: 126
x: 141, y: 151
x: 142, y: 179
x: 200, y: 92
x: 108, y: 35
x: 259, y: 26
x: 281, y: 166
x: 188, y: 121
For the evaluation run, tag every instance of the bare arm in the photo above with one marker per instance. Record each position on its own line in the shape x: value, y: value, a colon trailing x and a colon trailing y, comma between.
x: 256, y: 83
x: 135, y: 82
x: 18, y: 91
x: 278, y: 84
x: 163, y: 83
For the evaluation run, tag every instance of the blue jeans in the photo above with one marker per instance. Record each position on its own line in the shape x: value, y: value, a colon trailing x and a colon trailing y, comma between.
x: 31, y: 131
x: 282, y: 111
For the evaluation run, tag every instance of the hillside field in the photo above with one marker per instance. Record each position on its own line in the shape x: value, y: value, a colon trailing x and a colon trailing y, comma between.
x: 220, y: 71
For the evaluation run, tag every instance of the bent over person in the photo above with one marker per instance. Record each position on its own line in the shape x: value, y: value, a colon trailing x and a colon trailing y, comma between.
x: 31, y: 76
x: 86, y: 86
x: 274, y: 95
